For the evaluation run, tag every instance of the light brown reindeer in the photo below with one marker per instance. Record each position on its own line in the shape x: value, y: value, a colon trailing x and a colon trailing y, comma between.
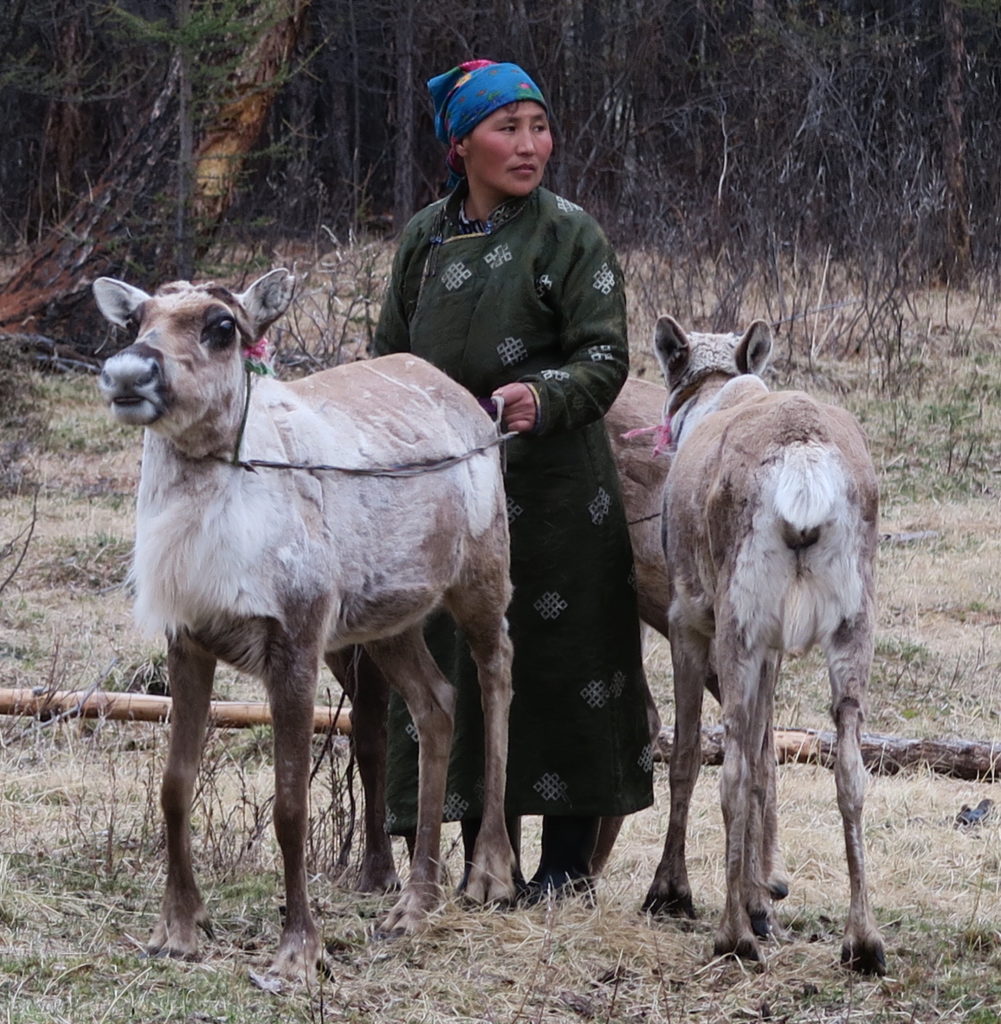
x: 274, y: 570
x: 642, y: 463
x: 770, y: 533
x: 642, y: 472
x: 642, y: 453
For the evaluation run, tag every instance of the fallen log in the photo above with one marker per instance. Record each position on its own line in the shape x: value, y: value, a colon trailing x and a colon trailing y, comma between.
x: 143, y: 707
x: 882, y: 755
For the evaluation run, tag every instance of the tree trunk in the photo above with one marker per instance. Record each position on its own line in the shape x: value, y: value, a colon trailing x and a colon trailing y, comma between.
x: 185, y: 145
x: 144, y: 707
x: 357, y: 197
x: 955, y: 268
x: 223, y: 149
x: 403, y: 175
x: 65, y: 125
x: 883, y: 755
x: 50, y: 294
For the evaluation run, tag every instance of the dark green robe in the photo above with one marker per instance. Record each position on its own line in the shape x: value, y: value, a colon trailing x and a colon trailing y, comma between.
x: 537, y: 298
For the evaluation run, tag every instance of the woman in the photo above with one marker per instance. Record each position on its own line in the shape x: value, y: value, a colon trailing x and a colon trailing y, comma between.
x: 515, y: 292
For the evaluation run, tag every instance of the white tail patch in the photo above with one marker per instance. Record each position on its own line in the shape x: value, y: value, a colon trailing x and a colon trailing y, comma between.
x: 809, y: 506
x: 809, y: 487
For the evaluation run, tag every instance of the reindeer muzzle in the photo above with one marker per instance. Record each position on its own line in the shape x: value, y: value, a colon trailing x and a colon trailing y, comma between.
x: 132, y: 383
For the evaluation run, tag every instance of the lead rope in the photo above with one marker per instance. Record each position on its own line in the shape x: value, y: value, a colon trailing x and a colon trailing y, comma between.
x: 498, y: 418
x: 408, y: 469
x: 247, y: 372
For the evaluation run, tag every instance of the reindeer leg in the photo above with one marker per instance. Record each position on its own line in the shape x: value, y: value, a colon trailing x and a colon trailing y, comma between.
x: 291, y: 685
x: 608, y: 832
x: 762, y: 817
x: 405, y: 661
x: 670, y: 891
x: 368, y: 690
x: 773, y: 864
x: 740, y: 672
x: 190, y: 670
x: 849, y: 659
x: 491, y: 874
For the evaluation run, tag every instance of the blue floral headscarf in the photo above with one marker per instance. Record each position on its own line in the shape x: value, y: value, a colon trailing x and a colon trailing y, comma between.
x: 470, y: 92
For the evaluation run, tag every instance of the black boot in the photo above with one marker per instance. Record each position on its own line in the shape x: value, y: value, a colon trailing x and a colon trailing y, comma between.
x: 565, y: 864
x: 471, y: 829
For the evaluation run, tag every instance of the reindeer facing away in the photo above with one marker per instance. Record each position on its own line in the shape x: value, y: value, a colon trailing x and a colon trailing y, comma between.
x: 274, y: 570
x: 770, y: 533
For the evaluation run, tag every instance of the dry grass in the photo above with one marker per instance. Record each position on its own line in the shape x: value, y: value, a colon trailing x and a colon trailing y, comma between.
x: 81, y: 858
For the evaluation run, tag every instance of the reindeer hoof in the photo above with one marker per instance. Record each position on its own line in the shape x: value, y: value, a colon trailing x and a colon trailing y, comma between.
x: 177, y: 940
x: 669, y: 904
x: 409, y: 914
x: 864, y: 957
x: 380, y: 882
x: 490, y: 881
x: 167, y: 953
x: 761, y: 923
x: 778, y: 888
x: 391, y: 929
x: 746, y: 948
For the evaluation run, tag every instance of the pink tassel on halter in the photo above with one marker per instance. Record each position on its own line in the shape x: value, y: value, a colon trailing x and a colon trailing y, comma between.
x: 257, y: 358
x: 258, y: 351
x: 662, y: 440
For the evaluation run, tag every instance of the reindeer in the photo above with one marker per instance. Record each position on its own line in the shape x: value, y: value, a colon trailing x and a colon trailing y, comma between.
x: 770, y: 532
x: 642, y: 462
x: 642, y: 451
x: 273, y: 569
x: 642, y: 470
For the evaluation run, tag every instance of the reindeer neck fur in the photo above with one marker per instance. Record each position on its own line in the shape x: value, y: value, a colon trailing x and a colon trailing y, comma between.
x: 205, y: 532
x: 690, y: 404
x: 201, y: 546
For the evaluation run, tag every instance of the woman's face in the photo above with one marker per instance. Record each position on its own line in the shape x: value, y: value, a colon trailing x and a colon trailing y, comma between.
x: 506, y: 153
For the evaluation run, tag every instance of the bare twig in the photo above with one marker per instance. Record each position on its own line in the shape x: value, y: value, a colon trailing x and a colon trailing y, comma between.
x: 27, y: 533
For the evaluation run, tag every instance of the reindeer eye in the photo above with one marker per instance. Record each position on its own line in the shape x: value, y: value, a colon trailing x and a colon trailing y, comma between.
x: 219, y: 333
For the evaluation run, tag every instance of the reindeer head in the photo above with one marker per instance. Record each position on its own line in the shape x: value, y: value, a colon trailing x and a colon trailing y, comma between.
x: 687, y: 360
x: 698, y: 367
x: 184, y: 371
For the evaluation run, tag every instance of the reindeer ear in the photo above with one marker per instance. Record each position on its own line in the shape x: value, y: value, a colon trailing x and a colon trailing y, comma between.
x: 672, y: 348
x: 754, y: 348
x: 267, y: 298
x: 117, y: 300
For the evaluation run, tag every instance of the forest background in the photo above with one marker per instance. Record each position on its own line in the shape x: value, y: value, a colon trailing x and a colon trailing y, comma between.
x: 157, y: 138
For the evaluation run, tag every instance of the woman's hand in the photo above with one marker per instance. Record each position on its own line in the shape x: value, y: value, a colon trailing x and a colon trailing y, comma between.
x: 521, y: 408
